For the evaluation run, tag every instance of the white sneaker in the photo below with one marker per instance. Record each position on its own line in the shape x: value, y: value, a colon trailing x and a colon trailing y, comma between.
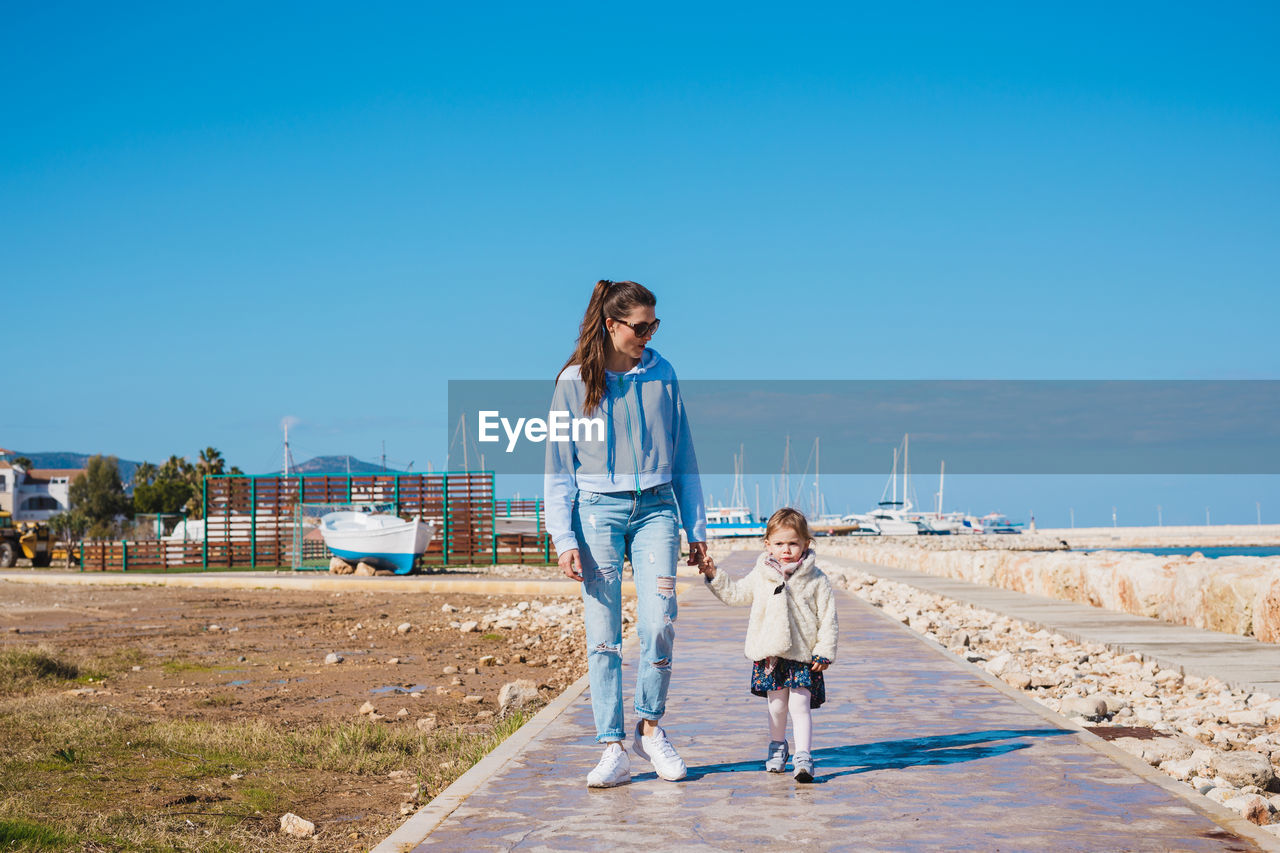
x: 657, y: 749
x: 614, y: 768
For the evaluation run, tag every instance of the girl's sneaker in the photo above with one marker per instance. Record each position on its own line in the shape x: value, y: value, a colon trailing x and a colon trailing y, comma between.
x: 778, y: 755
x: 803, y: 764
x: 614, y: 768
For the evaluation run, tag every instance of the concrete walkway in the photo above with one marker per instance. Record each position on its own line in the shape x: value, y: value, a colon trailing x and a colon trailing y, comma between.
x: 1241, y: 662
x: 915, y: 750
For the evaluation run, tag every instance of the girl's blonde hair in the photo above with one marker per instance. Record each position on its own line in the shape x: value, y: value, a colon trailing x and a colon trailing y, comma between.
x: 791, y: 519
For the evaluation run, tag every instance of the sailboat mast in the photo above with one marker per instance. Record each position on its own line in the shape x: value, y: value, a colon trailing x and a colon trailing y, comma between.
x: 941, y: 474
x: 905, y: 475
x: 893, y: 476
x: 786, y: 482
x: 817, y: 489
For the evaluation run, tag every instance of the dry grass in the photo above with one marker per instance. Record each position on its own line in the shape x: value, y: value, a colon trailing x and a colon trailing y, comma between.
x: 86, y: 776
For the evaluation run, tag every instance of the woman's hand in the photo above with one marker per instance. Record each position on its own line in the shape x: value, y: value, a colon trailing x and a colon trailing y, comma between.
x: 571, y: 564
x: 697, y: 554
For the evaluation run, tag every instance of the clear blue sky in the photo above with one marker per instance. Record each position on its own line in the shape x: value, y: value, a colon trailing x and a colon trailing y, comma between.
x: 212, y: 218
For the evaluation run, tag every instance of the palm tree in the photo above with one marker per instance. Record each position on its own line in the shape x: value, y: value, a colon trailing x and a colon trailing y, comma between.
x: 144, y: 474
x: 211, y: 462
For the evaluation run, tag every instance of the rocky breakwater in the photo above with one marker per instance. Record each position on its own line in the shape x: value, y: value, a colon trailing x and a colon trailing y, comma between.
x: 1169, y: 536
x: 1224, y: 743
x: 1236, y: 595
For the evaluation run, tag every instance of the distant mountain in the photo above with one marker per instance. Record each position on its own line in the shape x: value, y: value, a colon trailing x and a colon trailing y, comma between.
x: 318, y: 465
x: 66, y: 459
x: 339, y: 465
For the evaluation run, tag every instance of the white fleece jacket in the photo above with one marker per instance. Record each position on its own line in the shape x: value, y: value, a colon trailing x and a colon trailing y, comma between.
x: 793, y: 618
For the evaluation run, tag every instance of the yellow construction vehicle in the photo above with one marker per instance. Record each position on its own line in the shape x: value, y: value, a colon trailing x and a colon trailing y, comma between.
x: 28, y: 539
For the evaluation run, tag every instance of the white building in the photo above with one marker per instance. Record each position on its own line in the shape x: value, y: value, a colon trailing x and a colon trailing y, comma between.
x: 34, y: 494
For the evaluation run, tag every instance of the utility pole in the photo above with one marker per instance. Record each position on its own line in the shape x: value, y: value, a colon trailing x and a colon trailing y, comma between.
x: 1206, y: 516
x: 1159, y: 515
x: 1073, y: 517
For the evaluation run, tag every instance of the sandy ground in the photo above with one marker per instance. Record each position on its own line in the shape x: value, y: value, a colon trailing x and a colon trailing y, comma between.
x: 238, y: 655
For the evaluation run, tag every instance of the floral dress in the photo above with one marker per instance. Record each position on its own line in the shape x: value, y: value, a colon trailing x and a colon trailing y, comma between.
x: 790, y: 673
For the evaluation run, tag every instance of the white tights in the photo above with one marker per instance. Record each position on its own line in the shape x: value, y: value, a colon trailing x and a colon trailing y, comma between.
x: 797, y: 700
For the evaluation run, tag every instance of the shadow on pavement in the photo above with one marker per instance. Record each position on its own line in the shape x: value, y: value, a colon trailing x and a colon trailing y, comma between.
x: 892, y: 754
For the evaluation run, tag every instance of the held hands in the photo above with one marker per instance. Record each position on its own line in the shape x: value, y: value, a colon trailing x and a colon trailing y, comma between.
x: 571, y: 564
x: 818, y: 666
x: 707, y: 567
x: 697, y: 554
x: 699, y: 557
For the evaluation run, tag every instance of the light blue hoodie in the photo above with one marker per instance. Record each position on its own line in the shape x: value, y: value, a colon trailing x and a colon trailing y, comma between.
x: 647, y: 443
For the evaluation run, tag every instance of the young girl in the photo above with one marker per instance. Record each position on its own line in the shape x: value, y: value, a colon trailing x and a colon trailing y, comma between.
x: 791, y: 636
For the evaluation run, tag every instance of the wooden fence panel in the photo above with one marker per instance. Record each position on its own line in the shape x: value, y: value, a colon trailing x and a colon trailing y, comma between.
x: 251, y: 521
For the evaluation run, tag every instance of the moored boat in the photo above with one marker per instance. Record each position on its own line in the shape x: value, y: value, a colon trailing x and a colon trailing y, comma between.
x: 727, y: 522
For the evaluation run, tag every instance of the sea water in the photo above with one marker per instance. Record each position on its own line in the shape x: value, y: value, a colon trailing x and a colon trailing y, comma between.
x: 1211, y: 553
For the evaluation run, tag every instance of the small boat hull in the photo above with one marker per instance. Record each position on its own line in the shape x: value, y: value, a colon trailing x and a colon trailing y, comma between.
x: 376, y: 538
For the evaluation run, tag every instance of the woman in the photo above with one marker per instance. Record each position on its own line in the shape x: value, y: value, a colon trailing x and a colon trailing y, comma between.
x: 616, y: 496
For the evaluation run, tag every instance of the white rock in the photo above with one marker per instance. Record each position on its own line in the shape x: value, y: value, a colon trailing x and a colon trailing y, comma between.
x: 448, y: 608
x: 291, y: 824
x: 469, y: 627
x: 1149, y: 715
x: 1247, y: 718
x: 1020, y: 680
x: 999, y: 663
x: 1251, y: 807
x: 1181, y: 768
x: 404, y: 628
x: 333, y: 657
x: 426, y: 724
x: 1089, y: 707
x: 516, y: 694
x: 1242, y: 768
x: 1221, y: 795
x: 365, y: 570
x: 367, y: 708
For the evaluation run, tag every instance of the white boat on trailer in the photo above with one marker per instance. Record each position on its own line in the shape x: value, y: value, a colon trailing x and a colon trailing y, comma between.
x: 376, y: 538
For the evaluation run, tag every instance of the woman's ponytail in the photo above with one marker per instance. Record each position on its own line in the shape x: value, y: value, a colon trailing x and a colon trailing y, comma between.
x: 608, y: 299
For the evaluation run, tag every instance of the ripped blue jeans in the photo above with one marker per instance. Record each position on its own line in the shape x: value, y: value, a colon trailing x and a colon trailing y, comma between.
x: 643, y: 527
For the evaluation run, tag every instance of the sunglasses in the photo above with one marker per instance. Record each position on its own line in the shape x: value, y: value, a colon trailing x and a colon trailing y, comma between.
x: 641, y: 329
